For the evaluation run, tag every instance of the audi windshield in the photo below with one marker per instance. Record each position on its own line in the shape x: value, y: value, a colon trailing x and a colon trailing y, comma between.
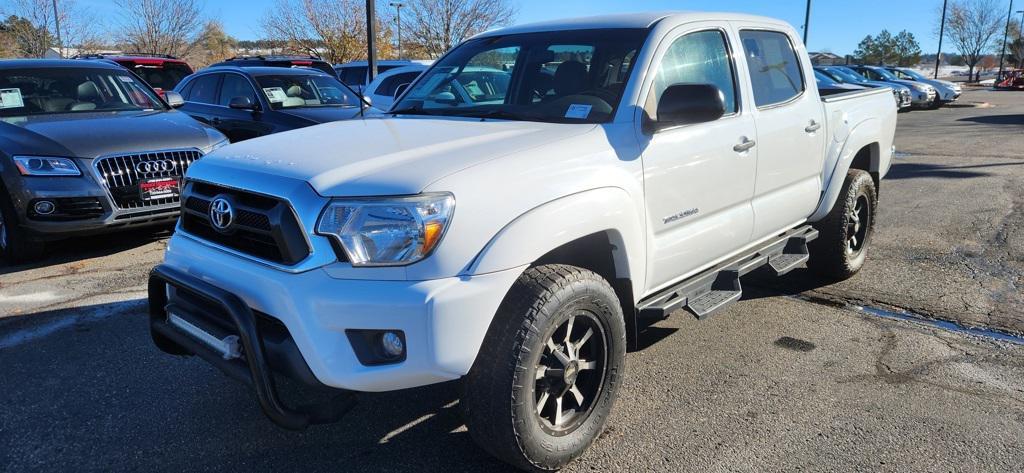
x: 574, y: 76
x: 72, y: 90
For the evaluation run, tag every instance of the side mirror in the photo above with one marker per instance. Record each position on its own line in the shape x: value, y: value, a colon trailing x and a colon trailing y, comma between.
x: 173, y: 98
x: 401, y: 89
x: 685, y: 104
x: 368, y: 100
x: 242, y: 103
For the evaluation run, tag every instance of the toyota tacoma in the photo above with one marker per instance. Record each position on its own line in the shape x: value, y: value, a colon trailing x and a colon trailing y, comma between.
x: 516, y: 236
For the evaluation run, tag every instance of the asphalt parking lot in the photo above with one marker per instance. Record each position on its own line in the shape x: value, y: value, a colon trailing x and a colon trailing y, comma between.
x: 793, y: 377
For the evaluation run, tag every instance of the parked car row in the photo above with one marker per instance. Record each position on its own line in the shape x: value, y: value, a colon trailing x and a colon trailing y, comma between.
x: 910, y: 88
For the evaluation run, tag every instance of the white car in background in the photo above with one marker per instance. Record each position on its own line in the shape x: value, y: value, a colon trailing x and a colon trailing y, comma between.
x: 381, y: 92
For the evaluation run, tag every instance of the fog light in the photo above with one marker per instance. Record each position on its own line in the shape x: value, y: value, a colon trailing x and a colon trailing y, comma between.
x: 44, y: 207
x: 392, y: 344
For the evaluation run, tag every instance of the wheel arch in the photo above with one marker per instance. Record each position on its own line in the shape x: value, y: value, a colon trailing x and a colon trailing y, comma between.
x: 860, y: 151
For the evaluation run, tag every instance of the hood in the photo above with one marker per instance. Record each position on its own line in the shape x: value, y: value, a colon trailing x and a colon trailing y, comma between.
x: 88, y: 135
x: 322, y: 114
x: 384, y: 156
x: 912, y: 84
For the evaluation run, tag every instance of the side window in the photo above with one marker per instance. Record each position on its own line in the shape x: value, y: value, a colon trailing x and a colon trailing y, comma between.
x: 204, y: 89
x: 233, y: 86
x: 774, y: 67
x: 353, y: 75
x: 388, y: 86
x: 698, y: 58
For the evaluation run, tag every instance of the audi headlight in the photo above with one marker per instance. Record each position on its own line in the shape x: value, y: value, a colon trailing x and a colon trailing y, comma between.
x: 46, y: 166
x: 387, y: 231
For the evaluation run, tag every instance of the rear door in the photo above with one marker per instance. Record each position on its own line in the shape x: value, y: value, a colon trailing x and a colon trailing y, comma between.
x: 698, y: 178
x: 790, y: 131
x: 201, y: 98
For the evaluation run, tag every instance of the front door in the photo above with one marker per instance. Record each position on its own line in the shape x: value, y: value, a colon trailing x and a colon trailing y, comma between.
x: 699, y: 178
x: 239, y: 124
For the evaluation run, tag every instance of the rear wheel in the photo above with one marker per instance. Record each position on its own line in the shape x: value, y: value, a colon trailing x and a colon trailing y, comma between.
x: 549, y: 369
x: 841, y: 247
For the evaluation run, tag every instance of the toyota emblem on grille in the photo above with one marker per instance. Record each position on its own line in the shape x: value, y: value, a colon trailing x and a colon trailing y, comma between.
x: 221, y: 214
x: 162, y: 165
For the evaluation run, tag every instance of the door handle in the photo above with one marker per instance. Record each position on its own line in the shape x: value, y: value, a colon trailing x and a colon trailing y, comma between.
x: 813, y: 127
x: 744, y: 145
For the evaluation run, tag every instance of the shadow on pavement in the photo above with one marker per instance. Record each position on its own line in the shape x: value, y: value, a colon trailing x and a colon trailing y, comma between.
x: 93, y: 246
x: 1016, y: 119
x: 903, y: 170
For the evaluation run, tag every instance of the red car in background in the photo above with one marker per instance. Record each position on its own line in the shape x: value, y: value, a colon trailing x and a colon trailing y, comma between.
x: 1013, y: 80
x: 162, y: 72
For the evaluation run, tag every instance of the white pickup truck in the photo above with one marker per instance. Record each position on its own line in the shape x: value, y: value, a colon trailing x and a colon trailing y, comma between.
x: 526, y: 203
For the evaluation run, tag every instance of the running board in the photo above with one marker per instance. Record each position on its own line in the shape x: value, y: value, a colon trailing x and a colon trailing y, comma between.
x: 719, y: 287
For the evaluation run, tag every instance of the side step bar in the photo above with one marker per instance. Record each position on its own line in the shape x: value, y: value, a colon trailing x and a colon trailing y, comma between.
x: 718, y: 287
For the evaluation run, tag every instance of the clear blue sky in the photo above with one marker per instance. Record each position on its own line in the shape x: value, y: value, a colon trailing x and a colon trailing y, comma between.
x: 836, y: 25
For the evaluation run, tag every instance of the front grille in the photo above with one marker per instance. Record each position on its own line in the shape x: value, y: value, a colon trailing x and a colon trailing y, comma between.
x: 122, y: 174
x: 263, y: 227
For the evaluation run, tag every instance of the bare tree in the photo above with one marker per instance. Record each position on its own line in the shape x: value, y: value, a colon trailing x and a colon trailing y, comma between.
x: 435, y: 26
x: 972, y: 25
x: 31, y: 27
x: 332, y: 29
x: 159, y: 26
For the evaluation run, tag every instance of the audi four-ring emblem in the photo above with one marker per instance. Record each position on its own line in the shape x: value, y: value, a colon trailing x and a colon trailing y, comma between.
x: 162, y: 165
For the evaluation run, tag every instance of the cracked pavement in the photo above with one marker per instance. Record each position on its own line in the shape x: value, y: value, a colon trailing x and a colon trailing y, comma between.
x: 773, y: 383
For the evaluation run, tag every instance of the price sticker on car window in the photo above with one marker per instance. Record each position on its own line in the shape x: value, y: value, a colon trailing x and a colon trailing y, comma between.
x: 275, y: 94
x: 579, y: 111
x: 11, y: 98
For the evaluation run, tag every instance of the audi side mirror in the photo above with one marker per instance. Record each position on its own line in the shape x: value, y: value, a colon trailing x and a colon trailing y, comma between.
x: 173, y: 98
x: 242, y: 103
x: 686, y: 104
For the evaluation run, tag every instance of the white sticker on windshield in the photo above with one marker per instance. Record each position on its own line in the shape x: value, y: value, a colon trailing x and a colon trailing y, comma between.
x: 578, y: 111
x: 11, y: 98
x: 275, y: 94
x: 126, y: 79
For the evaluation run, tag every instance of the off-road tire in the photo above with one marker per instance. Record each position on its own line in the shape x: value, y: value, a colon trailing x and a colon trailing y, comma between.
x: 19, y: 248
x: 500, y: 392
x: 832, y: 255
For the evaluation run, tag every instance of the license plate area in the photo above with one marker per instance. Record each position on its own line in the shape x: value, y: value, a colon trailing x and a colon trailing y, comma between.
x: 159, y: 188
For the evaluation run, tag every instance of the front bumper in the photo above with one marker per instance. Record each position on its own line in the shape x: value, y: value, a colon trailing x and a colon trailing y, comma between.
x: 103, y: 215
x: 922, y: 99
x: 443, y: 320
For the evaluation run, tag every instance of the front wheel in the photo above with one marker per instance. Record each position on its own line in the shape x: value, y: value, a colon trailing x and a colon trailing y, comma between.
x: 15, y: 246
x: 841, y: 247
x: 547, y: 375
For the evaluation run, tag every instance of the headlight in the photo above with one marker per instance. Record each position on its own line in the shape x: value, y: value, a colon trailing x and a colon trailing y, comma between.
x: 387, y: 231
x: 217, y: 145
x: 46, y: 166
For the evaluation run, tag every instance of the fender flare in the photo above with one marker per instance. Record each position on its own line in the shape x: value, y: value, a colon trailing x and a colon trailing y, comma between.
x: 860, y: 136
x: 557, y: 222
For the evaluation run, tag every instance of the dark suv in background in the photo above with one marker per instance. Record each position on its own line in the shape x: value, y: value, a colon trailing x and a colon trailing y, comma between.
x: 279, y: 61
x: 87, y: 147
x: 246, y: 102
x: 160, y: 71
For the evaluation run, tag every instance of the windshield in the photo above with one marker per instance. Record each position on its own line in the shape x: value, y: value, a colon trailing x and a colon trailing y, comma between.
x: 556, y: 76
x: 823, y: 80
x: 71, y: 90
x: 884, y: 73
x: 848, y: 75
x: 911, y: 73
x: 164, y: 77
x: 303, y: 91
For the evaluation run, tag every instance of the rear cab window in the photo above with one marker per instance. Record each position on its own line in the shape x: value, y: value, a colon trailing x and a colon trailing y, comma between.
x: 773, y: 65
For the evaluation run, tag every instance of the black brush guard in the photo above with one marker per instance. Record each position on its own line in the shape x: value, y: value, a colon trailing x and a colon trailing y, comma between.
x: 252, y: 368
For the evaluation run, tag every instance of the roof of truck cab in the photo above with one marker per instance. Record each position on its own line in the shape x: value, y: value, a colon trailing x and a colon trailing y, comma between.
x: 626, y: 20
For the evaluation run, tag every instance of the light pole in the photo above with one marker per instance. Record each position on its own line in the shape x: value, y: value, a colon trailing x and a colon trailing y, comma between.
x: 56, y: 21
x: 1006, y: 32
x: 371, y: 41
x: 807, y: 21
x: 942, y: 30
x: 398, y: 10
x: 1020, y: 39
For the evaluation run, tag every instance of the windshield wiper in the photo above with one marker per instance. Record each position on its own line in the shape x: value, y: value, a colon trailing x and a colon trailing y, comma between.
x: 495, y: 113
x: 413, y: 110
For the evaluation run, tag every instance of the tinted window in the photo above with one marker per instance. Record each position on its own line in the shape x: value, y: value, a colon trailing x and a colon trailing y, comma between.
x: 389, y: 85
x: 67, y: 90
x: 294, y: 90
x: 233, y: 86
x: 204, y: 89
x: 698, y: 58
x: 164, y: 76
x: 774, y: 67
x: 353, y: 75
